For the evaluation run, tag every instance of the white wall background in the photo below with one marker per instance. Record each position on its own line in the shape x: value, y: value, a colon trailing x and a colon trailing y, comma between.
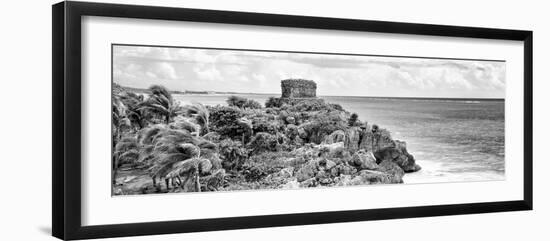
x: 25, y: 55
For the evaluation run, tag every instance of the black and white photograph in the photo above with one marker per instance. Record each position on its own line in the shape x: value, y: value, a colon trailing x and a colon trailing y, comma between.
x: 275, y: 120
x: 192, y: 119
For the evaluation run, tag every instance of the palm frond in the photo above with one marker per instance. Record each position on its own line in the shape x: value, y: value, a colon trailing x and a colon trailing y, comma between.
x: 207, y: 146
x: 160, y: 90
x: 174, y: 136
x: 130, y: 156
x: 200, y: 113
x: 189, y: 150
x: 154, y: 107
x: 186, y: 166
x: 125, y: 144
x: 147, y: 135
x: 163, y: 163
x: 184, y: 124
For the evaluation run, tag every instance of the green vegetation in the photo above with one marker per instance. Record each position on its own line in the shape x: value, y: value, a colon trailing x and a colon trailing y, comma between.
x: 243, y: 103
x: 160, y: 145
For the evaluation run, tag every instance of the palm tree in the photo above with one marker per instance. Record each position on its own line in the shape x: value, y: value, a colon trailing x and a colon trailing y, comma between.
x: 118, y: 124
x: 119, y: 119
x: 174, y: 153
x: 201, y: 115
x: 160, y: 102
x: 132, y: 101
x: 126, y: 151
x: 184, y: 123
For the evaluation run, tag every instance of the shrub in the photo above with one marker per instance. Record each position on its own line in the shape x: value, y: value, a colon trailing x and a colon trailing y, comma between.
x: 273, y: 102
x: 212, y: 136
x: 252, y: 104
x: 243, y: 103
x: 291, y: 131
x: 263, y: 142
x: 232, y: 153
x: 253, y: 172
x: 323, y: 124
x: 353, y: 120
x: 290, y: 117
x: 261, y: 165
x: 235, y: 101
x: 225, y: 121
x: 263, y: 125
x: 263, y: 122
x: 336, y: 107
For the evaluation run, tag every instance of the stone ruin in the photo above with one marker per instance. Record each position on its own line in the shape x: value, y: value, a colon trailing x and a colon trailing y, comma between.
x: 298, y: 88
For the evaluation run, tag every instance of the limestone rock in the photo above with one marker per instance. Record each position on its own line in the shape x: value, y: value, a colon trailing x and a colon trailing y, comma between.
x: 373, y: 177
x: 364, y: 160
x: 312, y: 182
x: 332, y: 150
x: 352, y: 139
x: 374, y: 141
x: 358, y: 180
x: 286, y: 172
x: 291, y: 131
x: 291, y: 120
x: 302, y: 133
x: 322, y: 175
x: 293, y: 184
x: 342, y: 169
x: 399, y: 155
x: 307, y: 171
x: 325, y: 181
x: 343, y: 180
x: 335, y: 137
x: 395, y: 172
x: 326, y: 163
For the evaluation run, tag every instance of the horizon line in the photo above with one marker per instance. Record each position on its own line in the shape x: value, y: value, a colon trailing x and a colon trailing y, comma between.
x: 356, y: 96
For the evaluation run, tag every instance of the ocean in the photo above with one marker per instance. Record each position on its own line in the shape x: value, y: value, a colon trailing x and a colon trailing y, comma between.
x: 453, y: 140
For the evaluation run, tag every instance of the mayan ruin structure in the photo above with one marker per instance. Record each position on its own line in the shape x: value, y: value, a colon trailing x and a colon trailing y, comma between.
x: 298, y: 88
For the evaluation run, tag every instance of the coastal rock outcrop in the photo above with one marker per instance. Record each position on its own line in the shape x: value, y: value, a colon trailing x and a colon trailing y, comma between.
x: 353, y: 138
x: 296, y: 140
x: 364, y: 160
x: 395, y: 172
x: 379, y: 142
x: 399, y: 155
x: 334, y: 164
x: 375, y: 139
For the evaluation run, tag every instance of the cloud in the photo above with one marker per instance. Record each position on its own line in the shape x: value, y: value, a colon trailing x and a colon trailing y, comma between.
x: 261, y: 72
x: 164, y: 70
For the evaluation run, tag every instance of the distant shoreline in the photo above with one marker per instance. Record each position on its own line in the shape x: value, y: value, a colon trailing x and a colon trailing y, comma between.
x: 214, y: 93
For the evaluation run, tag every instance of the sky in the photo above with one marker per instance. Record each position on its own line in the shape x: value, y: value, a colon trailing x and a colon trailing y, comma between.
x: 337, y: 75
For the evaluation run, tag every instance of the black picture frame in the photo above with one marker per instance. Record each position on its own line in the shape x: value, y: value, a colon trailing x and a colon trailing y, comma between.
x: 66, y: 127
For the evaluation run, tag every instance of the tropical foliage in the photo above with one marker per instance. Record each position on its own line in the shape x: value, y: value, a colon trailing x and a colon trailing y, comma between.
x: 160, y: 145
x: 161, y: 103
x: 243, y: 103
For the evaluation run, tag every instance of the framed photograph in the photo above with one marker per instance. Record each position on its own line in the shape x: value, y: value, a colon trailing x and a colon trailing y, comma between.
x: 172, y: 120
